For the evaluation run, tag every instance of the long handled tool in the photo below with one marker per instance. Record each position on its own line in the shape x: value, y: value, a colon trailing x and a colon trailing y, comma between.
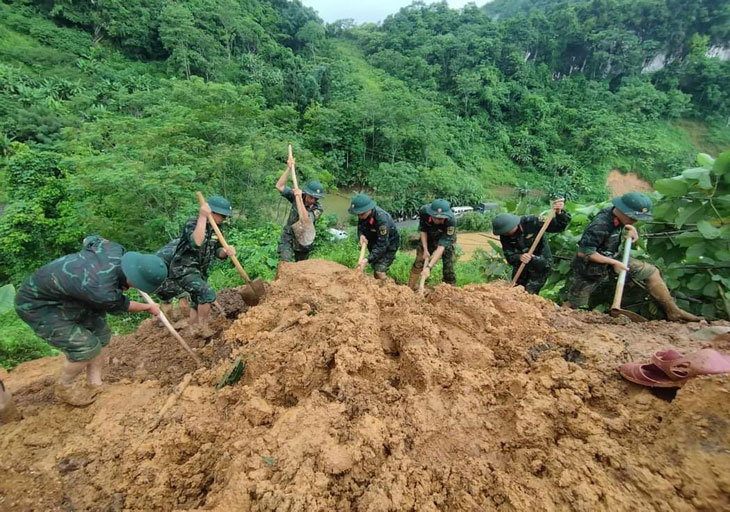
x: 618, y: 295
x: 170, y: 328
x: 540, y: 233
x: 254, y: 290
x: 303, y: 228
x: 362, y: 253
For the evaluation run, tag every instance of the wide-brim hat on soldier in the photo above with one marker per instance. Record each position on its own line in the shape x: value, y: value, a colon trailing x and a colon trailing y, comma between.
x: 360, y: 204
x: 220, y: 205
x: 144, y: 271
x: 504, y: 223
x: 314, y: 188
x: 634, y: 205
x: 439, y: 209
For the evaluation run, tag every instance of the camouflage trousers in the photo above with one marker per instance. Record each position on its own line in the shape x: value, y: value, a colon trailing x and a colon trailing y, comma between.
x: 78, y: 332
x: 197, y: 286
x: 533, y: 280
x: 447, y: 258
x: 169, y: 290
x: 585, y: 290
x: 290, y: 250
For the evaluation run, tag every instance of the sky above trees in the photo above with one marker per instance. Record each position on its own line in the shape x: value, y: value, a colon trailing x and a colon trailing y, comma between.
x: 369, y: 11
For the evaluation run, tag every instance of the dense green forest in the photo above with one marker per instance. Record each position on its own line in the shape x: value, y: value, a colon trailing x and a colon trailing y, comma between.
x: 112, y: 113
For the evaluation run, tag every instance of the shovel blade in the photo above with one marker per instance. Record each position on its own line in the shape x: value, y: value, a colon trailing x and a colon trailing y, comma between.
x: 304, y: 232
x: 253, y: 293
x: 634, y: 317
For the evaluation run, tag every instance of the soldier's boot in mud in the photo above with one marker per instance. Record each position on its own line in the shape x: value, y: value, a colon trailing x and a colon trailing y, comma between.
x: 658, y: 289
x: 8, y: 411
x: 166, y: 309
x: 204, y: 331
x: 80, y: 397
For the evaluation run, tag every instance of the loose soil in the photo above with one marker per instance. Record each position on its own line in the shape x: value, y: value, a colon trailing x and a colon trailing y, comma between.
x: 619, y: 183
x: 474, y: 398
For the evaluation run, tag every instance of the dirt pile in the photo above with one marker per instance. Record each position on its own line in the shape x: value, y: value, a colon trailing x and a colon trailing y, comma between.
x: 363, y: 396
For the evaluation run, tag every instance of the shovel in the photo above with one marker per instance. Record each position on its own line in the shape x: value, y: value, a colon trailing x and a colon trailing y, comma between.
x: 362, y: 253
x: 616, y: 306
x: 254, y: 290
x: 540, y: 233
x: 170, y: 328
x: 303, y: 228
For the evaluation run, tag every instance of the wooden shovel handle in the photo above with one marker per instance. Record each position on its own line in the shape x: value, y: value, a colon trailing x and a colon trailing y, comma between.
x: 618, y: 295
x: 170, y: 328
x: 301, y: 210
x: 223, y: 242
x: 421, y: 283
x: 544, y: 227
x: 362, y: 252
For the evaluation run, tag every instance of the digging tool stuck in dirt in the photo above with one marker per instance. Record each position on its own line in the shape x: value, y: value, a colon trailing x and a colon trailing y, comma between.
x: 540, y: 233
x: 254, y: 290
x: 616, y: 306
x: 172, y: 330
x: 303, y: 228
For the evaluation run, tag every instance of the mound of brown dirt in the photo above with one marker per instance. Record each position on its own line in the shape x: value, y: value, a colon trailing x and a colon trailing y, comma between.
x: 359, y: 395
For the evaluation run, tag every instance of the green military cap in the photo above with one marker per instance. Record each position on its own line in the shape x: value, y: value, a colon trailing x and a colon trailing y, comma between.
x: 220, y: 204
x: 360, y: 204
x: 314, y: 188
x: 144, y: 271
x: 504, y: 223
x: 634, y: 205
x: 439, y: 209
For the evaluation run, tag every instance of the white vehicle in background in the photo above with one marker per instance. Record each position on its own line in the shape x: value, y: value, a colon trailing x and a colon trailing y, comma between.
x: 337, y: 234
x: 461, y: 210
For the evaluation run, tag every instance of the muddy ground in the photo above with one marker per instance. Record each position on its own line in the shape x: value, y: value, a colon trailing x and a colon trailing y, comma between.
x: 474, y: 398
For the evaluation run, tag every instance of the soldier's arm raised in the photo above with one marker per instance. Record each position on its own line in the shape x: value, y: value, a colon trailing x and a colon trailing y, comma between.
x: 281, y: 184
x: 199, y: 232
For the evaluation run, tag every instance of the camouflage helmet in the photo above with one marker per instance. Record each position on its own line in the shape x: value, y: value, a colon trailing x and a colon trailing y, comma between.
x: 439, y: 209
x: 504, y: 223
x: 360, y: 204
x: 634, y: 205
x: 144, y: 271
x: 314, y: 188
x: 220, y: 205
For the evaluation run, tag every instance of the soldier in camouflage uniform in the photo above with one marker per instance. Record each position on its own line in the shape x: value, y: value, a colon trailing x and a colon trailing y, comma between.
x: 197, y: 246
x: 376, y: 228
x: 65, y: 302
x: 289, y: 247
x: 598, y: 251
x: 437, y: 227
x: 170, y: 290
x: 517, y: 235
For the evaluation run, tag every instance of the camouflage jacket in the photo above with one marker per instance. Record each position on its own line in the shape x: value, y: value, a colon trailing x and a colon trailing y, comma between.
x: 189, y: 257
x: 381, y: 233
x: 168, y: 251
x: 89, y: 279
x: 520, y: 243
x: 314, y: 211
x: 603, y: 235
x: 444, y: 234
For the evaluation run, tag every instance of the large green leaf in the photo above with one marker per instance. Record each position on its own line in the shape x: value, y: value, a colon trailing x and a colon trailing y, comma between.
x: 722, y: 255
x: 671, y: 187
x: 698, y: 282
x: 708, y: 230
x: 696, y: 251
x: 705, y: 160
x: 7, y: 293
x: 690, y: 214
x: 702, y: 175
x: 722, y: 164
